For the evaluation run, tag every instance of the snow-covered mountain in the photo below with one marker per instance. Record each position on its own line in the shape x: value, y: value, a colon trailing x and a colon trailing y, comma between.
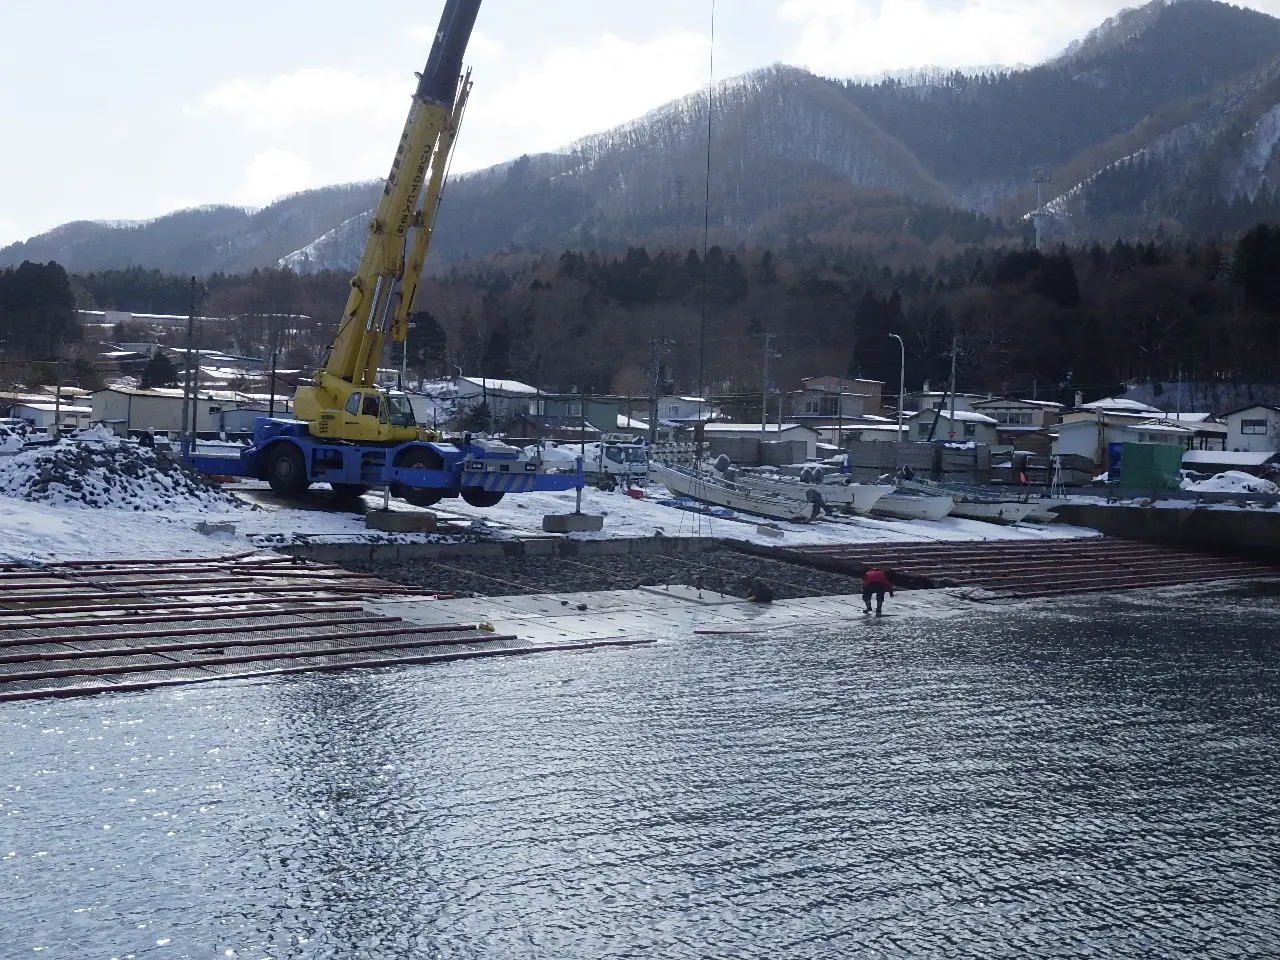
x: 1165, y: 116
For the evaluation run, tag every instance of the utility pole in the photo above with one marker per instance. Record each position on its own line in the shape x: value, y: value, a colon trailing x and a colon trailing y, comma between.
x: 933, y: 428
x: 186, y: 383
x: 764, y: 392
x: 657, y: 350
x: 955, y: 341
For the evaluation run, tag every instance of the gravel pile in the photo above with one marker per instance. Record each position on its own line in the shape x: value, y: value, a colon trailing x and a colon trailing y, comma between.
x: 108, y: 475
x: 723, y: 571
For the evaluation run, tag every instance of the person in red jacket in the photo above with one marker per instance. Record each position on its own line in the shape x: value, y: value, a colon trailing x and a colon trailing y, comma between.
x: 875, y: 584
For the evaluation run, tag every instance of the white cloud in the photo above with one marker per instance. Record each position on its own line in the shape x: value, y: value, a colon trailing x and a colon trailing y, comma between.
x: 862, y: 37
x: 576, y: 91
x: 304, y: 95
x: 273, y: 174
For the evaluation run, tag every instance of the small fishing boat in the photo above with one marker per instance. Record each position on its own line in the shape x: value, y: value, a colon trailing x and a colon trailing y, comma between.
x: 724, y: 493
x: 913, y: 506
x: 860, y: 497
x: 1042, y: 509
x: 974, y: 504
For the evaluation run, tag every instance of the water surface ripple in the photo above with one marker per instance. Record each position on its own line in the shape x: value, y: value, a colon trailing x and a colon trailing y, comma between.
x: 1090, y: 779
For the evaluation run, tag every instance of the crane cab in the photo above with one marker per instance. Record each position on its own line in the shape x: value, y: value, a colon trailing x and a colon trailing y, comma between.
x: 366, y: 415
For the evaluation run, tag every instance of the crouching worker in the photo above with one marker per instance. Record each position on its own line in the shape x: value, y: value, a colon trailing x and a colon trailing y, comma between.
x: 875, y: 584
x: 761, y: 592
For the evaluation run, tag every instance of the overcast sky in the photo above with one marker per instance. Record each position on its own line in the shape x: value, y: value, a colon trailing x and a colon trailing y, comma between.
x: 134, y: 108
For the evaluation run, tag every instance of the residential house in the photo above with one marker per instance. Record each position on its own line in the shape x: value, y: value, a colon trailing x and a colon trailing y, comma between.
x: 1210, y: 432
x: 534, y: 426
x: 686, y: 411
x: 506, y: 399
x: 1254, y: 429
x: 830, y: 398
x: 1090, y: 433
x: 927, y: 399
x: 772, y: 433
x: 600, y: 413
x: 967, y: 426
x: 1121, y: 405
x: 1024, y: 425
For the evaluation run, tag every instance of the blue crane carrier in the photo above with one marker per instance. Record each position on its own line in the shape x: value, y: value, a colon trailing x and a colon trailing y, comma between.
x: 349, y: 432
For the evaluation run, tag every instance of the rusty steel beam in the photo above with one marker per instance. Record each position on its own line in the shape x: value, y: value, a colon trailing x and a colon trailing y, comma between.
x: 158, y: 560
x: 180, y: 632
x: 175, y: 603
x: 165, y: 618
x: 136, y: 686
x: 181, y: 595
x: 255, y: 657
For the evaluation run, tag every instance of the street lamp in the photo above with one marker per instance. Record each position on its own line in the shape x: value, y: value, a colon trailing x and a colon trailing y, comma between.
x: 902, y: 381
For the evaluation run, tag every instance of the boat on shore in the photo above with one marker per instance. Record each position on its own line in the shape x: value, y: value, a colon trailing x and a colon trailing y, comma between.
x: 684, y: 482
x: 859, y: 497
x: 973, y: 504
x: 905, y: 505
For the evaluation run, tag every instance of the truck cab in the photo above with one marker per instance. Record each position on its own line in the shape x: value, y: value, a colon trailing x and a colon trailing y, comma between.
x: 618, y: 458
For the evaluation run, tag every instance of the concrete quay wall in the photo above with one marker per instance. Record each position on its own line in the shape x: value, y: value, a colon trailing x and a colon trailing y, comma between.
x: 339, y: 553
x: 1244, y: 532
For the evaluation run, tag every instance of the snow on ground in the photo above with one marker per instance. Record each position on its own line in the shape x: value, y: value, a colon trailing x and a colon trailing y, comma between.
x: 1233, y: 481
x: 107, y: 499
x: 625, y: 517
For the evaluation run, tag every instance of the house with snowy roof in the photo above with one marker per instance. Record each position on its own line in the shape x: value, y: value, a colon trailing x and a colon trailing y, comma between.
x: 1254, y: 429
x: 962, y: 426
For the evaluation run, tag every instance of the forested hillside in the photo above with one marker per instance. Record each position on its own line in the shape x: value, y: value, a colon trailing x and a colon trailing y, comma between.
x: 1093, y: 319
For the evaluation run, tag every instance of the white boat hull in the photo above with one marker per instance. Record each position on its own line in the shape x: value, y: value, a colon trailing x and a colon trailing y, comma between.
x: 1007, y: 513
x: 721, y: 493
x: 914, y: 508
x: 1042, y: 509
x: 860, y: 497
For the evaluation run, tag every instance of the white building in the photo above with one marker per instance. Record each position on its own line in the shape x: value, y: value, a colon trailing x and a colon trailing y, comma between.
x: 1254, y: 429
x: 128, y: 410
x: 43, y: 415
x: 1091, y: 434
x: 773, y: 433
x: 967, y: 426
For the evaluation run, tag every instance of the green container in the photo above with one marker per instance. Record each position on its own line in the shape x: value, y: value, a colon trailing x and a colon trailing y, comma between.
x: 1151, y: 466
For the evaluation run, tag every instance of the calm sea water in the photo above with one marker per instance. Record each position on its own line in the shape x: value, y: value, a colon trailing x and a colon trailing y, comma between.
x: 1097, y: 778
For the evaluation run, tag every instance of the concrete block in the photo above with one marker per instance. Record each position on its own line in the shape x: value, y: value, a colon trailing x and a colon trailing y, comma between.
x: 572, y: 523
x: 398, y: 522
x: 214, y: 529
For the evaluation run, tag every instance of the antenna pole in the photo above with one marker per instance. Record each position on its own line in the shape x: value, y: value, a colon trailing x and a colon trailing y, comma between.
x: 706, y: 227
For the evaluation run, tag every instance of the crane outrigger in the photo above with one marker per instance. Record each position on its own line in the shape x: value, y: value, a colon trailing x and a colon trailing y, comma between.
x: 348, y: 431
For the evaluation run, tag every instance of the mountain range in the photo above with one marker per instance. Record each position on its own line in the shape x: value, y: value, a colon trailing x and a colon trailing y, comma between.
x: 1166, y: 118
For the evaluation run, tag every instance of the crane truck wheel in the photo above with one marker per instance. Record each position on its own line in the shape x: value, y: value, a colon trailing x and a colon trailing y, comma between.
x: 478, y: 497
x: 420, y: 458
x: 287, y: 471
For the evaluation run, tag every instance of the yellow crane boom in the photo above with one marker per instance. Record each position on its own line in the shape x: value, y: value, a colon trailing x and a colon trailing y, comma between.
x: 345, y: 403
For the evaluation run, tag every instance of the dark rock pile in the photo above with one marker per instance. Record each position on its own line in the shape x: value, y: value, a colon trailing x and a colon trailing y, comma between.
x: 109, y: 475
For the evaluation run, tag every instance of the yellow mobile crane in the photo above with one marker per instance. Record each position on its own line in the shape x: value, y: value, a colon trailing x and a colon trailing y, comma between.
x: 345, y: 402
x: 348, y: 432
